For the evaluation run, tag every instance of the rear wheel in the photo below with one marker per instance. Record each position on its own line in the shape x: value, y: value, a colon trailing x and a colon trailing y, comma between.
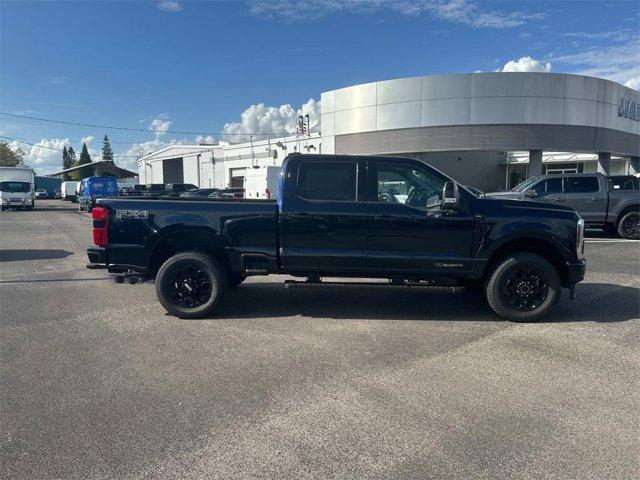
x: 523, y: 288
x: 629, y: 226
x: 190, y: 284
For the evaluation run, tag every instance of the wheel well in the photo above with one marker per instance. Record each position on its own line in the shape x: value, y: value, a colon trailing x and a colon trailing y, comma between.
x: 627, y: 209
x: 543, y: 248
x: 179, y: 242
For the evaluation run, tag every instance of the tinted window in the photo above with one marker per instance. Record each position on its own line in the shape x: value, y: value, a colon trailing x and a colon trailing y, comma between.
x: 327, y: 181
x: 408, y: 185
x: 580, y: 184
x: 623, y: 183
x: 551, y: 185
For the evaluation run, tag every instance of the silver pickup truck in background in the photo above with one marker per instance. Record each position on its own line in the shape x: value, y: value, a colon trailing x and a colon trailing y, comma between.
x: 612, y: 204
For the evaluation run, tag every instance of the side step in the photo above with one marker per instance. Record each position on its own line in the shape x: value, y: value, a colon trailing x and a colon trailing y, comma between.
x: 422, y: 286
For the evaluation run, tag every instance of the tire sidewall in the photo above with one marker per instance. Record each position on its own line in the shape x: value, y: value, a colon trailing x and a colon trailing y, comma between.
x: 164, y: 278
x: 495, y: 284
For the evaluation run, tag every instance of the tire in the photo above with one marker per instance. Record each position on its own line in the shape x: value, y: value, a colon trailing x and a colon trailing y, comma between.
x: 629, y: 226
x: 236, y: 279
x: 30, y: 207
x: 523, y: 287
x: 188, y: 272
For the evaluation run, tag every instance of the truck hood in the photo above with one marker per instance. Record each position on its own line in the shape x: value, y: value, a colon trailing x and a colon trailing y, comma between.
x: 508, y: 194
x: 524, y: 205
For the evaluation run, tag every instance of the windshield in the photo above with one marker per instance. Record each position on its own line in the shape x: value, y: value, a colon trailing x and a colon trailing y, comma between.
x: 524, y: 185
x: 16, y: 187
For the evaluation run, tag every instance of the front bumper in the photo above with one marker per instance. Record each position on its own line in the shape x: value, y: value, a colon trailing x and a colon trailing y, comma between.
x: 576, y: 271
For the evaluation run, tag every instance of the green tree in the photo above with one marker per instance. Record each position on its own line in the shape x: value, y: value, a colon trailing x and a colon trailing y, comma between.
x: 71, y: 153
x: 9, y: 157
x: 65, y: 162
x: 85, y: 159
x: 107, y: 153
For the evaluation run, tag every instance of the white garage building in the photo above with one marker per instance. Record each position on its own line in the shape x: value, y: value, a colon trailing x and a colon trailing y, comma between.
x: 223, y: 165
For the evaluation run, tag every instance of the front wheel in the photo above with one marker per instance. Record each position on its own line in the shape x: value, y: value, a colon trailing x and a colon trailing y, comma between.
x: 523, y: 288
x: 190, y: 284
x: 629, y: 226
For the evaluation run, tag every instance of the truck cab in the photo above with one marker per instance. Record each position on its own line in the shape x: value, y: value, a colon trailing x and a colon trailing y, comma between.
x: 17, y: 188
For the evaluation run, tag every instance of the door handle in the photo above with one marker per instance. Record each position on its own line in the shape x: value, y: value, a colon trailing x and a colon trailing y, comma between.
x: 382, y: 217
x: 559, y: 200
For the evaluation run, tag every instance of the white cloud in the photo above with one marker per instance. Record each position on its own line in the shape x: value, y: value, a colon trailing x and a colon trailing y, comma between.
x: 169, y: 6
x: 466, y: 12
x: 618, y: 62
x: 45, y: 156
x: 525, y: 64
x: 277, y: 120
x: 88, y: 139
x: 160, y: 125
x: 203, y: 139
x: 633, y: 83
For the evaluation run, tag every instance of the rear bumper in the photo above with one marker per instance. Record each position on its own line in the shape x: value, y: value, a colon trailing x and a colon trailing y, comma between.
x: 99, y: 259
x: 576, y: 271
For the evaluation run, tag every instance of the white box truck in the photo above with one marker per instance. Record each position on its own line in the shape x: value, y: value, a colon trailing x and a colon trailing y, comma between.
x: 17, y: 187
x: 69, y: 190
x: 262, y: 182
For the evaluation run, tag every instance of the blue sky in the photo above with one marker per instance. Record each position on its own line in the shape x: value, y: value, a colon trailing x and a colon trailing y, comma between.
x: 197, y: 66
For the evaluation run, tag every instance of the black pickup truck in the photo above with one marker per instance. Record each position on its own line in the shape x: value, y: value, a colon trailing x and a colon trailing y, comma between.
x: 349, y: 217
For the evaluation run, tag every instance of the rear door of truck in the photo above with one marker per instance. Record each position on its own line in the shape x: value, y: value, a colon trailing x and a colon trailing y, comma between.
x: 588, y: 195
x: 323, y: 225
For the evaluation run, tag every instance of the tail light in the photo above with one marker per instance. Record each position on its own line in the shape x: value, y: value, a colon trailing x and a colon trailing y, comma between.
x: 100, y: 217
x: 267, y: 194
x: 580, y: 238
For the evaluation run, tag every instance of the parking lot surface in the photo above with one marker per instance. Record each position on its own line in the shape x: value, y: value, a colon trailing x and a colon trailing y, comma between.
x: 99, y: 383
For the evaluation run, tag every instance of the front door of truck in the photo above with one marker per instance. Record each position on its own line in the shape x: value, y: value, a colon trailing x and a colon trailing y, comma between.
x: 324, y: 224
x: 409, y: 233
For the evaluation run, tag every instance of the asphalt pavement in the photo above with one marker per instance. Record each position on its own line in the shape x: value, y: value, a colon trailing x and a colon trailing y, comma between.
x: 97, y: 382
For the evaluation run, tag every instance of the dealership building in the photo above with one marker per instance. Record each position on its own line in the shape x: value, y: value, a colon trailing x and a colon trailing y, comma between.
x: 488, y: 130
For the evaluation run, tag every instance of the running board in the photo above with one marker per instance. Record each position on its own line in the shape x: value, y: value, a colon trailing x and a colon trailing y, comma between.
x: 430, y: 288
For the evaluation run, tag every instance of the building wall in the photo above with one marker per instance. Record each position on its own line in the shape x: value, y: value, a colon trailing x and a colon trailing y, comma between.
x: 584, y: 108
x: 483, y: 170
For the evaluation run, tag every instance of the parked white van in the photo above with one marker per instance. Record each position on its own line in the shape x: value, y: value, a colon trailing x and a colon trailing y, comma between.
x: 262, y: 182
x: 17, y: 187
x: 69, y: 190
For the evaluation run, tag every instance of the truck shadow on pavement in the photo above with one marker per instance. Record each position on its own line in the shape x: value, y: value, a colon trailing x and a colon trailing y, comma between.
x: 21, y: 255
x: 595, y: 302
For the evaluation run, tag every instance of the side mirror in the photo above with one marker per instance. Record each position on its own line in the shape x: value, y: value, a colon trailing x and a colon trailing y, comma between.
x: 531, y: 194
x: 450, y: 196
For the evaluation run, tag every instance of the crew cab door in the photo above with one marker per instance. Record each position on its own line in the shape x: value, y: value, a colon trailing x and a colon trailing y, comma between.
x: 323, y: 216
x: 409, y: 233
x: 588, y: 196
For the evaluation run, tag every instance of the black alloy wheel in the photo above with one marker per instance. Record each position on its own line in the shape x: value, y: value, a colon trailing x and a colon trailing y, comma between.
x: 525, y: 289
x: 191, y: 285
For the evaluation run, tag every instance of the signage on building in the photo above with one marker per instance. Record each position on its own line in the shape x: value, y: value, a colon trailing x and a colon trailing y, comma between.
x: 629, y: 109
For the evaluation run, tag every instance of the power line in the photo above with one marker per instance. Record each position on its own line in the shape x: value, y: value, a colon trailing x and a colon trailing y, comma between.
x: 131, y: 129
